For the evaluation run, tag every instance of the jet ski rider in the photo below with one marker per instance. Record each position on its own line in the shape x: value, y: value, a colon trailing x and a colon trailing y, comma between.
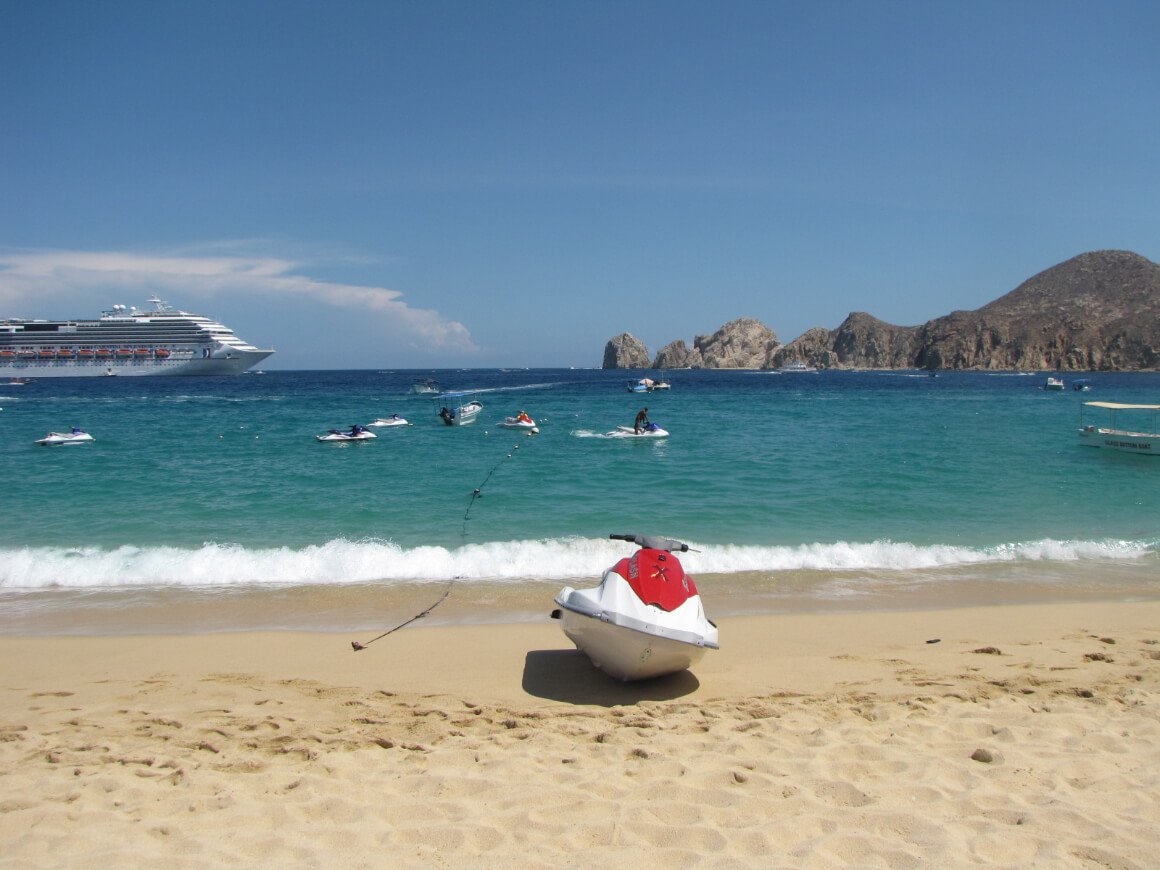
x: 641, y: 421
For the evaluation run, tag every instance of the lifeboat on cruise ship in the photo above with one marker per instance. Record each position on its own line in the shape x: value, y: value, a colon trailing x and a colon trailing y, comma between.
x: 85, y: 352
x: 7, y: 354
x: 124, y: 352
x: 103, y: 352
x: 46, y: 352
x: 161, y: 353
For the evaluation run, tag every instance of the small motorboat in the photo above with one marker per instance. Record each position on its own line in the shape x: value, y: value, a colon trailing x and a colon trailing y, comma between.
x: 355, y: 433
x: 647, y: 385
x: 648, y: 430
x: 387, y: 422
x: 645, y: 619
x: 1053, y: 384
x: 73, y: 436
x: 1127, y: 428
x: 522, y: 422
x: 461, y: 416
x: 425, y: 387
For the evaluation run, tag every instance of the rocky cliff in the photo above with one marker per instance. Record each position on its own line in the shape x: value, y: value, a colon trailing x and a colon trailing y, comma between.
x: 1097, y: 311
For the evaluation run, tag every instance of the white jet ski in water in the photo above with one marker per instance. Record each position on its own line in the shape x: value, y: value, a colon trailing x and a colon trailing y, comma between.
x: 73, y: 436
x: 648, y: 430
x: 355, y: 433
x: 645, y: 619
x: 522, y: 422
x: 386, y: 422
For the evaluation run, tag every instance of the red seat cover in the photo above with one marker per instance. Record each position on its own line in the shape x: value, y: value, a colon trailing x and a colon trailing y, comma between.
x: 657, y: 578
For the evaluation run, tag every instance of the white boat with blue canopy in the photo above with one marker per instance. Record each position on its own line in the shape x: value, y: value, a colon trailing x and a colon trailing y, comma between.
x: 464, y: 414
x: 1123, y: 432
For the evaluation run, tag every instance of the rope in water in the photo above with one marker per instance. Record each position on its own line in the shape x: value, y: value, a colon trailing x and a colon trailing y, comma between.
x: 476, y: 494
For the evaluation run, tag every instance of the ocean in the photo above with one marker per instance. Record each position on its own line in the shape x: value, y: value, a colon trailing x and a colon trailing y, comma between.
x: 206, y: 504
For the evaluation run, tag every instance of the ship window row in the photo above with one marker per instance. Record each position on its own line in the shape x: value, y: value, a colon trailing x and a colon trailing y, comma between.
x: 139, y: 342
x: 107, y: 330
x: 168, y: 335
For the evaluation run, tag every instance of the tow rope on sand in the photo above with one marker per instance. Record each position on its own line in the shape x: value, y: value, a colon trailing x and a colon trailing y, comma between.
x: 476, y: 494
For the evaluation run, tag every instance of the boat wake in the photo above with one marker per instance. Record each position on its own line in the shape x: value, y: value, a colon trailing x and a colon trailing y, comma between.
x: 517, y: 388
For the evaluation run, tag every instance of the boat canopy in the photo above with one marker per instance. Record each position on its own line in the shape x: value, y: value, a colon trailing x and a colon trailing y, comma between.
x: 1116, y: 406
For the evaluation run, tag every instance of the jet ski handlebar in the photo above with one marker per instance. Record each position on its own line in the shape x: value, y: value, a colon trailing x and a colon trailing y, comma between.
x: 653, y: 543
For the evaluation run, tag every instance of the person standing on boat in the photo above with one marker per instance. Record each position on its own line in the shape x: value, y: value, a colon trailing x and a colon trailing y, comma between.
x: 641, y: 421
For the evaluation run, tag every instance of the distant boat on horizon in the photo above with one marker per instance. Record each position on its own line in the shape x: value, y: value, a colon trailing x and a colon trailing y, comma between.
x: 797, y: 367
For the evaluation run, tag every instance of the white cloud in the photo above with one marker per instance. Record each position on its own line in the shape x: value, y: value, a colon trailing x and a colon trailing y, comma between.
x: 30, y: 279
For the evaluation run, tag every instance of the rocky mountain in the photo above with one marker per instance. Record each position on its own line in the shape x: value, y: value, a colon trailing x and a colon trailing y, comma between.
x: 1097, y: 311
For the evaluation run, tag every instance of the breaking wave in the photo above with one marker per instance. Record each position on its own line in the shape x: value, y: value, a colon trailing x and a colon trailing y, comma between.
x: 343, y: 561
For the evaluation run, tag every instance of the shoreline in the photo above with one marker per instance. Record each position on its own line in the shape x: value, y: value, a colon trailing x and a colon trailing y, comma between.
x: 373, y: 607
x: 1026, y: 734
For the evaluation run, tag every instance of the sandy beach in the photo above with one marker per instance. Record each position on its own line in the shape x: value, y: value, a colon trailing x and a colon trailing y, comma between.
x: 1010, y: 736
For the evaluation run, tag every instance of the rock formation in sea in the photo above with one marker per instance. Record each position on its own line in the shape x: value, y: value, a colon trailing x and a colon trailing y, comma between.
x: 744, y: 343
x: 676, y: 355
x: 1098, y: 311
x: 625, y: 351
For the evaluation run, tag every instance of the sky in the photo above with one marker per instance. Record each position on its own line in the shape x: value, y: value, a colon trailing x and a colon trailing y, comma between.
x: 445, y: 184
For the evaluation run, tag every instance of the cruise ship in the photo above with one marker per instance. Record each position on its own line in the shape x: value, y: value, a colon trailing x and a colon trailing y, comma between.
x: 124, y: 341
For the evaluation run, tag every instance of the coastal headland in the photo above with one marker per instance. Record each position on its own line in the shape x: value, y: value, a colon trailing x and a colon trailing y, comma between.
x: 1099, y: 311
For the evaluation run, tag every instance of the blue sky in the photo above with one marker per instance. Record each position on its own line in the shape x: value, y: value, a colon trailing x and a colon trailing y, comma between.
x: 444, y: 184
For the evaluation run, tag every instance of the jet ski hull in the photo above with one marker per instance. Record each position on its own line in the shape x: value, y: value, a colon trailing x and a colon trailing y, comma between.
x: 629, y: 432
x: 630, y: 640
x: 528, y: 426
x: 342, y: 437
x: 65, y: 439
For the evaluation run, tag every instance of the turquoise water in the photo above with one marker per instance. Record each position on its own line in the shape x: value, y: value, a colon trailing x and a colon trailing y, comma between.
x: 810, y: 486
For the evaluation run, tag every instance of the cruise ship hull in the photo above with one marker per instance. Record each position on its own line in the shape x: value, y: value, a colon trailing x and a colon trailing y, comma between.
x: 232, y: 365
x: 124, y: 341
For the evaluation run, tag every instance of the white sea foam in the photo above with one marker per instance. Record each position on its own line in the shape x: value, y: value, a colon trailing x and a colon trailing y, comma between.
x: 343, y: 561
